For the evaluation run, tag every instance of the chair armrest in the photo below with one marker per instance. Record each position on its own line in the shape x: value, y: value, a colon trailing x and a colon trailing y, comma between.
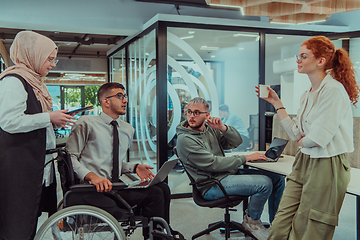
x: 212, y: 180
x: 83, y: 187
x: 119, y: 186
x: 113, y: 194
x: 208, y: 180
x: 90, y: 187
x: 203, y: 181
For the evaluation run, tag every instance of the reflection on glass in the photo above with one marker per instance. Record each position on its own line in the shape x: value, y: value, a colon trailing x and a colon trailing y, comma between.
x: 219, y: 66
x: 2, y: 64
x: 76, y: 97
x: 90, y: 95
x: 55, y: 94
x: 142, y: 95
x: 282, y: 75
x: 73, y: 98
x: 232, y: 119
x: 355, y: 58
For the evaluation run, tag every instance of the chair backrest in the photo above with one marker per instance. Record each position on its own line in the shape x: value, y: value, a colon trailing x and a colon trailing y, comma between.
x: 70, y: 178
x: 65, y: 167
x: 198, y: 198
x: 224, y: 202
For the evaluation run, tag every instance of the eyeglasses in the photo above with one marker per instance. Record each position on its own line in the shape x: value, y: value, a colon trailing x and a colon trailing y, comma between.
x: 300, y: 58
x: 119, y: 95
x: 53, y: 61
x: 196, y: 113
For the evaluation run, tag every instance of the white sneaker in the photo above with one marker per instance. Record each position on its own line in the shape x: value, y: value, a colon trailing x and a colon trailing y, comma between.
x: 256, y: 228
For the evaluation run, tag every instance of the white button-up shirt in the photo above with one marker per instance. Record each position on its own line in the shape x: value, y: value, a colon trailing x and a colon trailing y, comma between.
x: 13, y: 119
x: 325, y: 119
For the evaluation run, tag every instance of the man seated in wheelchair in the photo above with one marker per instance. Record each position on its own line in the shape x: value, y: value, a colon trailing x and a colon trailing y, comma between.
x: 96, y: 142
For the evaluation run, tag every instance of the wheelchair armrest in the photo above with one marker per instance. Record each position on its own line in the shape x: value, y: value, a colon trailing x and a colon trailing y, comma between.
x: 212, y: 180
x: 89, y: 187
x: 119, y: 199
x: 83, y: 187
x: 119, y: 186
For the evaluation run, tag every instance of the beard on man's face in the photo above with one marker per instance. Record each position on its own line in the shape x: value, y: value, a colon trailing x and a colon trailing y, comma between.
x: 195, y: 125
x: 118, y: 109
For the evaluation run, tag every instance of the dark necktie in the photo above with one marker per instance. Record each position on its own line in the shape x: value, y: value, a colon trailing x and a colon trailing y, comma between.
x: 115, y: 169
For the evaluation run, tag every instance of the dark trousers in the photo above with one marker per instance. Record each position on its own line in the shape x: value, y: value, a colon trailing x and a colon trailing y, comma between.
x: 152, y: 202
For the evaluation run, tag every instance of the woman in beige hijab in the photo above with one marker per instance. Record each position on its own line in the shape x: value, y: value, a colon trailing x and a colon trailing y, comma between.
x: 26, y: 132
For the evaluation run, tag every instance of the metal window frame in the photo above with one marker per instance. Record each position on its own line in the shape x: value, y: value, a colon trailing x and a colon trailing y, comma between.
x: 161, y: 68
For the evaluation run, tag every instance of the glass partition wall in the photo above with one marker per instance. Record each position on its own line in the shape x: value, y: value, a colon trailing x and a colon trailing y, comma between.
x: 282, y: 75
x: 220, y: 66
x: 170, y: 63
x: 135, y: 68
x: 2, y: 64
x: 355, y: 57
x: 142, y: 107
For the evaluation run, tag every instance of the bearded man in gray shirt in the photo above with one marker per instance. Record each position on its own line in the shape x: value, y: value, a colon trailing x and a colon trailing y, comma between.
x: 90, y: 145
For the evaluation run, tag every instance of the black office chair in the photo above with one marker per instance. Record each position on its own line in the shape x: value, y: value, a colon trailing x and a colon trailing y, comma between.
x: 226, y: 202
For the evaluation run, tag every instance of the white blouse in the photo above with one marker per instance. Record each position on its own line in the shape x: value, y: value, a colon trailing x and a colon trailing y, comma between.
x: 13, y: 119
x: 324, y: 119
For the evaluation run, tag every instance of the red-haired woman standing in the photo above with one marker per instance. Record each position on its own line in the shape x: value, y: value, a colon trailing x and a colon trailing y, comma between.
x: 323, y: 128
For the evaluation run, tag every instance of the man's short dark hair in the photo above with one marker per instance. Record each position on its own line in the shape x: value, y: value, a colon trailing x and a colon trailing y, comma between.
x: 105, y: 88
x: 224, y: 108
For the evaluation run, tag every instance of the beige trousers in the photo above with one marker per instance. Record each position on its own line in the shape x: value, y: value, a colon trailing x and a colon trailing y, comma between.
x: 312, y: 199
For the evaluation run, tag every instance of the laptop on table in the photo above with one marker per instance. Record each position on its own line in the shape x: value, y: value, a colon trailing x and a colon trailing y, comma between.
x: 159, y: 177
x: 274, y: 151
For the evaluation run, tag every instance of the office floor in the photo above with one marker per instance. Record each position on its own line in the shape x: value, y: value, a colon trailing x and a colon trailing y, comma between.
x: 197, y: 218
x: 189, y: 219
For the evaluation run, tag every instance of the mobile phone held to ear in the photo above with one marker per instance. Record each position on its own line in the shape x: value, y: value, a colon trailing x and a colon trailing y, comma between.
x: 79, y: 110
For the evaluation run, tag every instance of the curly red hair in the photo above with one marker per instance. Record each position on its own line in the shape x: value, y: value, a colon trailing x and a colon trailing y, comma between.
x: 338, y: 62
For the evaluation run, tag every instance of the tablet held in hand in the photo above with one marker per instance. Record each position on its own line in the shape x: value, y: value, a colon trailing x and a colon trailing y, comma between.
x: 79, y: 110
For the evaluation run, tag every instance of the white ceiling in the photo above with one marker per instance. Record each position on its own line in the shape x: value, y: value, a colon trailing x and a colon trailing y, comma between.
x: 116, y: 19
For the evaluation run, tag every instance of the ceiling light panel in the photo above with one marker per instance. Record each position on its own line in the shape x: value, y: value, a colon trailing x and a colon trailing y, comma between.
x: 209, y: 48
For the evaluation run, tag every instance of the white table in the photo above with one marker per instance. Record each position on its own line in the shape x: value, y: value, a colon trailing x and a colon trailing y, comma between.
x: 284, y: 167
x: 354, y: 189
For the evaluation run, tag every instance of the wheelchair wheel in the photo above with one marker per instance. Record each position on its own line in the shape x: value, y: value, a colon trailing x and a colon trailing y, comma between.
x: 81, y: 223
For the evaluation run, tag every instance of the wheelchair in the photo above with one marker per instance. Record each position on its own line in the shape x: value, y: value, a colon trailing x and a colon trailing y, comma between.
x: 85, y: 213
